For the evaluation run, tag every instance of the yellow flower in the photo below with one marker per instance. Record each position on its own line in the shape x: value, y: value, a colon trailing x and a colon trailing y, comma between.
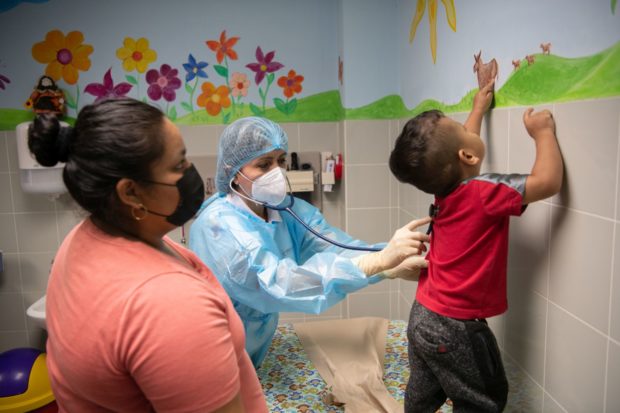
x: 136, y: 55
x: 432, y: 19
x: 64, y: 56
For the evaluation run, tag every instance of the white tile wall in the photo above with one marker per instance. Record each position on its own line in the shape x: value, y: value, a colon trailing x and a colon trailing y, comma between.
x: 613, y: 378
x: 575, y: 363
x: 588, y: 134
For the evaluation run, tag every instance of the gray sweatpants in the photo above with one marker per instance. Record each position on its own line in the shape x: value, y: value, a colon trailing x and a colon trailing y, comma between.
x: 458, y: 359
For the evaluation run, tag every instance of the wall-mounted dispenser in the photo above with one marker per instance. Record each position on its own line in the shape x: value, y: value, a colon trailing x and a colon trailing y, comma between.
x: 33, y: 177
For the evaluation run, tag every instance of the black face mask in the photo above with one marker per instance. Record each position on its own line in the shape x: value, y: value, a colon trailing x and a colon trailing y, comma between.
x: 192, y: 193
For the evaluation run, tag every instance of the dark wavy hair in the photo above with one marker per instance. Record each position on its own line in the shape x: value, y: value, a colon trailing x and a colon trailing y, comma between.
x: 112, y: 139
x: 426, y: 156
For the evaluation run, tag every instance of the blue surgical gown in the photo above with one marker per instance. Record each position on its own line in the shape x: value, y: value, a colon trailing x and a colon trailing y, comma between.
x: 269, y: 267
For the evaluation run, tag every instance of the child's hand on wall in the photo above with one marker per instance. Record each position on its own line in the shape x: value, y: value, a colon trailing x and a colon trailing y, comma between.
x: 546, y: 177
x: 538, y: 123
x: 484, y: 98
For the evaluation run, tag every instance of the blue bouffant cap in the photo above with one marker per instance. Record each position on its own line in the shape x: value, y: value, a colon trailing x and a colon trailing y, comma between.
x: 243, y: 140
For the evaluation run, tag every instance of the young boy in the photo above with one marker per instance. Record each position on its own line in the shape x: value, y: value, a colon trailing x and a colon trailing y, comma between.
x: 452, y: 351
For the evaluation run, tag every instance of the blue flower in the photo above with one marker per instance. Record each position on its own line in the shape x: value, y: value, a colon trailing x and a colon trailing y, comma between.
x: 194, y: 68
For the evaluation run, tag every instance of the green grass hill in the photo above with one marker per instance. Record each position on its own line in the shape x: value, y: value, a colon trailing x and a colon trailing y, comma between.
x: 549, y: 79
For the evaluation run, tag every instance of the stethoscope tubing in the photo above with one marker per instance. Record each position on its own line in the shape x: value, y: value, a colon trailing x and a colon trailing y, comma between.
x: 289, y: 208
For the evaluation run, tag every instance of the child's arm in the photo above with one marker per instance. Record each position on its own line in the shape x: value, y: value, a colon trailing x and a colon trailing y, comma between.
x: 482, y: 102
x: 545, y: 179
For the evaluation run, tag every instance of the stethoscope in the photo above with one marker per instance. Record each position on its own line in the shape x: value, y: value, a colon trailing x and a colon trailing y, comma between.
x: 289, y: 208
x: 433, y: 210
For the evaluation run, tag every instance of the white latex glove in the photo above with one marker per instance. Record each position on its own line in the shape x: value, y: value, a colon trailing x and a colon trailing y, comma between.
x: 404, y: 243
x: 408, y: 270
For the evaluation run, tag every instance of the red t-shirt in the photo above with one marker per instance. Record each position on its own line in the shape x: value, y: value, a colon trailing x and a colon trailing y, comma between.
x: 466, y: 275
x: 132, y: 329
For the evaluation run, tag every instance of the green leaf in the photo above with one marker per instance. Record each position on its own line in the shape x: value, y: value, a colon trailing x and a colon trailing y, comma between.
x: 173, y: 113
x: 261, y: 93
x: 613, y: 6
x: 221, y: 70
x: 256, y: 110
x: 226, y: 117
x: 131, y: 80
x: 187, y: 106
x: 188, y: 88
x: 69, y: 100
x: 280, y: 105
x: 292, y: 105
x: 270, y: 77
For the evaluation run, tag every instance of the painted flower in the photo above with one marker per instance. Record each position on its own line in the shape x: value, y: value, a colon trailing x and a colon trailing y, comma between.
x: 239, y: 84
x: 224, y: 47
x: 263, y: 65
x: 432, y: 19
x: 136, y: 55
x: 291, y: 83
x: 64, y: 55
x: 4, y: 80
x: 163, y: 82
x: 213, y: 99
x: 107, y: 89
x: 194, y: 69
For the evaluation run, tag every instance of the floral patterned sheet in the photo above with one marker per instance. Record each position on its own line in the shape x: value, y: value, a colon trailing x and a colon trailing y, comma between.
x: 292, y: 384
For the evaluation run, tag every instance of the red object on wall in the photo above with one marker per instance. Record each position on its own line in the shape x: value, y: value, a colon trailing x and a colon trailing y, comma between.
x: 338, y: 168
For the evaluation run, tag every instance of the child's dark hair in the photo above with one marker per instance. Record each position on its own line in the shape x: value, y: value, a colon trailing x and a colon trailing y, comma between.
x: 425, y: 155
x: 112, y: 139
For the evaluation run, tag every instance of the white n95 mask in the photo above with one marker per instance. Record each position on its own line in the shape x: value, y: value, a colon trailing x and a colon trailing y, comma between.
x: 270, y: 188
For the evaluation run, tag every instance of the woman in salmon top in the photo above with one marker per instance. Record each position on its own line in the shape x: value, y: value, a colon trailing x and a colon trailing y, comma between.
x: 136, y: 322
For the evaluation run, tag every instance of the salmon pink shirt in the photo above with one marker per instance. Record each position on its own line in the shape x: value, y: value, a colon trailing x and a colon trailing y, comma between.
x: 132, y: 329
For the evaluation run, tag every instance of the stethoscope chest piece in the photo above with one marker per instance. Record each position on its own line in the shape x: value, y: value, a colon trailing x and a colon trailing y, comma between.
x: 433, y: 211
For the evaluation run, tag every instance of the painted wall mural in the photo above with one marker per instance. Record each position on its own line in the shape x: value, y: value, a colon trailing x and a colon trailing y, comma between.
x: 545, y: 52
x: 432, y: 19
x: 4, y: 81
x: 9, y: 4
x: 65, y: 56
x: 289, y: 65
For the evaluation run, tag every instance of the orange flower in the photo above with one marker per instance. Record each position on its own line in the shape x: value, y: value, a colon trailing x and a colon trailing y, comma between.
x: 223, y: 47
x: 291, y: 83
x: 136, y: 54
x: 213, y: 99
x: 64, y: 55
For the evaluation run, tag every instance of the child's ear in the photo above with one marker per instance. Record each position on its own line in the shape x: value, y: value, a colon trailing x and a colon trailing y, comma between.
x: 468, y: 157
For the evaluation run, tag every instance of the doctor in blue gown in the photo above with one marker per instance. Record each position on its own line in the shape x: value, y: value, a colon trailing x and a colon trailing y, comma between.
x: 266, y: 260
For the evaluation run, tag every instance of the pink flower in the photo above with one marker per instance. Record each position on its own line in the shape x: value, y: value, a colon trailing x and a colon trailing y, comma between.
x: 107, y: 89
x: 163, y: 83
x: 239, y: 84
x: 263, y: 65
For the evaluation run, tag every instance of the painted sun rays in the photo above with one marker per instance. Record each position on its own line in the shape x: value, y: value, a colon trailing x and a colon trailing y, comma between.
x: 432, y: 19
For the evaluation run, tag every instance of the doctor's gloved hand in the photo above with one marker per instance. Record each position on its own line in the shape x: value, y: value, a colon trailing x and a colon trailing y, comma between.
x: 405, y: 242
x: 408, y: 270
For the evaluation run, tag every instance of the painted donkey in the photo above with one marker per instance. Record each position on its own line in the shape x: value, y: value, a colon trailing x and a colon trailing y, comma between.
x: 486, y: 72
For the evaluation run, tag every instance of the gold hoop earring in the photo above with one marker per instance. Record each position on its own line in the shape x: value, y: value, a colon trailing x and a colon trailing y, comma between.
x: 142, y: 209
